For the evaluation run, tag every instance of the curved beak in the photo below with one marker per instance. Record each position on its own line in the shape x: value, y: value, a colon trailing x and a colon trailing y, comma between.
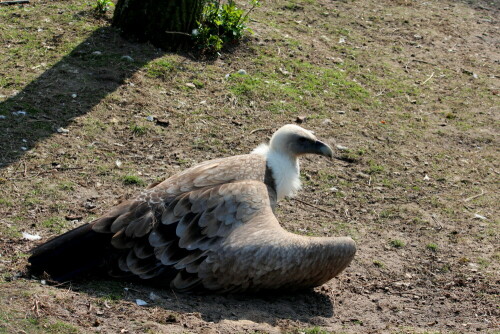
x: 324, y: 149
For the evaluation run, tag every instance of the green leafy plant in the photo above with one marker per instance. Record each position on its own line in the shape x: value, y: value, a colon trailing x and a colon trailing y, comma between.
x: 102, y: 6
x: 221, y: 24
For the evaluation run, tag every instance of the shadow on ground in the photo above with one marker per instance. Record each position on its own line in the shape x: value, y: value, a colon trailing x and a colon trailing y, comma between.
x: 263, y: 307
x: 72, y: 87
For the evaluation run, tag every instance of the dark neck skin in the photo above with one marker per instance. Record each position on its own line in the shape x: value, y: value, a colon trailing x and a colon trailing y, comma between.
x: 271, y: 186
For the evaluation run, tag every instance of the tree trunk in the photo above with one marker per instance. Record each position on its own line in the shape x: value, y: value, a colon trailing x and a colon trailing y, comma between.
x: 167, y: 24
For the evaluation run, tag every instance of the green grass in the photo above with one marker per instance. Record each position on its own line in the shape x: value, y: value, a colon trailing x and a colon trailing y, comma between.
x: 161, y: 68
x: 138, y: 130
x: 378, y: 263
x: 432, y: 247
x: 306, y: 86
x: 132, y: 180
x: 67, y: 186
x: 396, y: 243
x: 374, y: 168
x: 54, y: 224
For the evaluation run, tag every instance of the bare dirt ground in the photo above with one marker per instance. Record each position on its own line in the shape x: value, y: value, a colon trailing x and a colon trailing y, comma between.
x: 407, y: 89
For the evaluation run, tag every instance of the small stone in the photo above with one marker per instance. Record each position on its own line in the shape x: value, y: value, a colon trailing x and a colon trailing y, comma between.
x: 127, y: 58
x: 283, y: 71
x: 23, y: 148
x: 190, y: 85
x: 342, y: 148
x: 74, y: 95
x: 3, y: 117
x: 141, y: 302
x: 227, y: 76
x: 62, y: 130
x: 426, y: 177
x: 97, y: 53
x: 31, y: 237
x: 150, y: 118
x: 44, y: 282
x: 118, y: 163
x: 478, y: 216
x: 341, y: 112
x: 242, y: 72
x: 341, y: 40
x: 334, y: 189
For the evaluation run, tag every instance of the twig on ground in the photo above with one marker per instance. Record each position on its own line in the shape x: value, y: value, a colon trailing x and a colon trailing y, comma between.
x: 257, y: 130
x: 475, y: 196
x: 429, y: 78
x: 314, y: 206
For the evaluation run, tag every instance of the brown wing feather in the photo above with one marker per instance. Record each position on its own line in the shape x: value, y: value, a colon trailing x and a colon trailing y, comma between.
x: 178, y: 222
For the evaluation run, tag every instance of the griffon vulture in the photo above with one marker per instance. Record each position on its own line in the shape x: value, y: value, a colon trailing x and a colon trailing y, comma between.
x: 210, y: 227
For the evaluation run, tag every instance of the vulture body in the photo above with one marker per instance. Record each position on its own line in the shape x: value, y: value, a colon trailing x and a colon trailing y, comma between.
x: 210, y: 227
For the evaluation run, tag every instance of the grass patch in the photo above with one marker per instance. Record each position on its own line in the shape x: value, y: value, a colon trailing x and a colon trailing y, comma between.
x: 432, y: 247
x: 378, y: 263
x: 374, y: 168
x: 66, y: 186
x: 396, y: 243
x: 299, y: 85
x: 161, y: 69
x: 54, y: 224
x: 138, y: 130
x: 132, y: 180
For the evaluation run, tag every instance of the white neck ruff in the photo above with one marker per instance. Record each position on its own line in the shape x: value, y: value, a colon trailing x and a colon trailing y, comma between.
x: 285, y: 169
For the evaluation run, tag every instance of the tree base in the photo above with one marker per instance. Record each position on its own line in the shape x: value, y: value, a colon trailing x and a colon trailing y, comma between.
x: 167, y: 24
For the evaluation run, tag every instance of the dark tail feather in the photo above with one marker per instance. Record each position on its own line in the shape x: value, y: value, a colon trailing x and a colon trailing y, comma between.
x: 72, y: 254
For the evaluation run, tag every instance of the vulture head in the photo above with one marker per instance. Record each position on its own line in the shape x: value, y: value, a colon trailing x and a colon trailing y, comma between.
x: 295, y: 141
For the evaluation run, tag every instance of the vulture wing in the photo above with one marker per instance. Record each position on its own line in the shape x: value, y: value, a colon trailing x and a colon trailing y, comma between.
x: 166, y: 232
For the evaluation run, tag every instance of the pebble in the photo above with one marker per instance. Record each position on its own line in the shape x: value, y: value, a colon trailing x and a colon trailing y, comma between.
x: 23, y: 148
x: 62, y: 130
x: 340, y: 112
x: 3, y: 117
x: 242, y: 72
x: 334, y: 189
x: 478, y: 216
x: 150, y: 118
x: 31, y: 237
x: 341, y: 40
x: 140, y: 302
x: 96, y: 53
x: 426, y: 177
x: 342, y: 148
x: 74, y: 95
x: 190, y: 85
